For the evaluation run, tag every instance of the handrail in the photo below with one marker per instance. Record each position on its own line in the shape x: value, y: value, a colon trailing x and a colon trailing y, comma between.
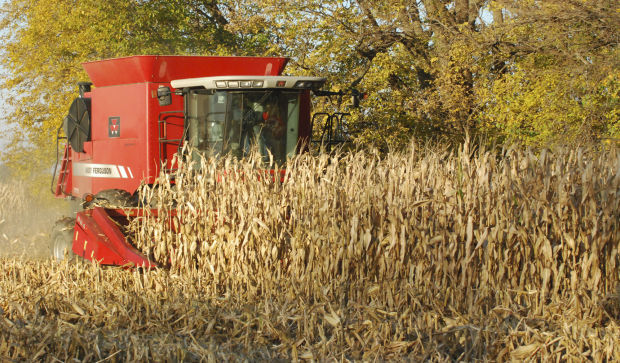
x: 162, y: 124
x: 332, y: 130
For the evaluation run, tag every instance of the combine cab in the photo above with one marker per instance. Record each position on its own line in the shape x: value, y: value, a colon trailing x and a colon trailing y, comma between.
x: 141, y: 110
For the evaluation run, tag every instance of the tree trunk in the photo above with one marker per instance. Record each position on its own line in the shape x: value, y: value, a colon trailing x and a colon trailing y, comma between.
x: 461, y: 8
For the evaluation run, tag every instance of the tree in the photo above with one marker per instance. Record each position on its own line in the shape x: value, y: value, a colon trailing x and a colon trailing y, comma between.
x: 440, y: 69
x: 560, y: 78
x: 535, y: 71
x: 416, y: 59
x: 45, y: 41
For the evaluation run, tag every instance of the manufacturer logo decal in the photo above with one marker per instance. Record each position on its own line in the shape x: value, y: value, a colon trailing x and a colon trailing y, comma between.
x: 98, y: 171
x: 102, y: 171
x: 114, y: 127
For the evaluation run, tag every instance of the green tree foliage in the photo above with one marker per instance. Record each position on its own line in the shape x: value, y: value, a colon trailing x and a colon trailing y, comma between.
x: 409, y: 56
x: 536, y: 71
x: 559, y: 72
x: 532, y: 70
x: 45, y: 41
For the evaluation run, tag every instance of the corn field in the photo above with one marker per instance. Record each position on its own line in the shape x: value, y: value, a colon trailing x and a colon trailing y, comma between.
x: 426, y: 254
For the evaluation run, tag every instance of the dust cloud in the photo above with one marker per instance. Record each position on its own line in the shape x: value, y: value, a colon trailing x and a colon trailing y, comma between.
x: 27, y: 221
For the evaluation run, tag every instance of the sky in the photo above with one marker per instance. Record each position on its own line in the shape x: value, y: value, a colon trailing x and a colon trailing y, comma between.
x: 4, y: 133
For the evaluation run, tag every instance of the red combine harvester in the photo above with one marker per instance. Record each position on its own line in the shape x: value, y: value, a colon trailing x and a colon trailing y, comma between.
x: 142, y: 109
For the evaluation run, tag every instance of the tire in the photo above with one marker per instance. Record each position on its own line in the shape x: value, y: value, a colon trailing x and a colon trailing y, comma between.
x: 62, y: 240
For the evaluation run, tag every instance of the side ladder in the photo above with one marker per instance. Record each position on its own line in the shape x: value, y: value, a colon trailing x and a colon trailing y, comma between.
x: 63, y: 185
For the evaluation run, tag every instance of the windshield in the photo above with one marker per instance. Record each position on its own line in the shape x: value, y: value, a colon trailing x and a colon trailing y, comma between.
x: 231, y: 122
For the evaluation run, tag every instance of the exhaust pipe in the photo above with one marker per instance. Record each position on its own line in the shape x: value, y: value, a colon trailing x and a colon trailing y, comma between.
x: 84, y: 87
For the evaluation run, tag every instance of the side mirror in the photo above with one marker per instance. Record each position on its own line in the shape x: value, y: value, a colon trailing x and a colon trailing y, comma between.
x: 164, y: 96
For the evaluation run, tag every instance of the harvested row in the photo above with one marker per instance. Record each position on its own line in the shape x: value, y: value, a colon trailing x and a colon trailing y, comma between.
x: 425, y: 254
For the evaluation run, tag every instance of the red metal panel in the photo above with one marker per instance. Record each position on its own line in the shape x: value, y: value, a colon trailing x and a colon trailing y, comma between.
x: 81, y: 185
x: 90, y: 243
x: 98, y: 238
x: 124, y: 157
x: 152, y: 68
x: 133, y: 155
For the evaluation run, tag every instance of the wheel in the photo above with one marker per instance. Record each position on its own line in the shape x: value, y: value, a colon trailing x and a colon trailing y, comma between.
x: 62, y: 239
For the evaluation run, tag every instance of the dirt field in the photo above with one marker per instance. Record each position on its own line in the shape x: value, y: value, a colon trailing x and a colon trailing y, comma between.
x: 424, y: 255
